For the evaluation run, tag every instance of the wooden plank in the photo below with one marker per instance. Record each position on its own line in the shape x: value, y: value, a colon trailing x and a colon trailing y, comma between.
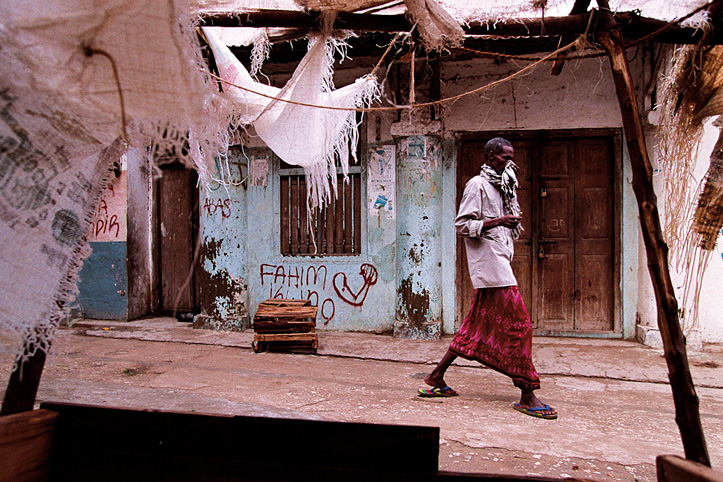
x: 357, y: 209
x: 304, y: 243
x: 320, y: 229
x: 284, y: 302
x: 339, y: 225
x: 23, y: 385
x: 676, y: 469
x: 348, y: 211
x: 329, y: 213
x: 25, y: 445
x: 285, y: 336
x: 294, y: 213
x: 285, y: 215
x: 100, y: 443
x: 299, y: 312
x: 283, y: 328
x: 687, y: 413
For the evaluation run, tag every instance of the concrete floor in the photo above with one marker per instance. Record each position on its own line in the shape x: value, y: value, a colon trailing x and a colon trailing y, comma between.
x: 616, y: 407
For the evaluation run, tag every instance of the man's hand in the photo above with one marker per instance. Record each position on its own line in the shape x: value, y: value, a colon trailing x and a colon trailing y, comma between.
x: 509, y: 221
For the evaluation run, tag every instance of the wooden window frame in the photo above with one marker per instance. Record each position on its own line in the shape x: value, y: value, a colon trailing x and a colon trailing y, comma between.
x: 320, y: 235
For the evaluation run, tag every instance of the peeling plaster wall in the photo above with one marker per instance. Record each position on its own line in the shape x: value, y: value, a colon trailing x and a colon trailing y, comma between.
x: 708, y: 328
x: 710, y: 321
x: 419, y: 241
x: 582, y: 96
x: 222, y: 272
x: 242, y: 264
x: 103, y: 278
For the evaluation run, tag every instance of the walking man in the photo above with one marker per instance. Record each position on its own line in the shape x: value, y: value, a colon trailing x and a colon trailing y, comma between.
x: 497, y: 330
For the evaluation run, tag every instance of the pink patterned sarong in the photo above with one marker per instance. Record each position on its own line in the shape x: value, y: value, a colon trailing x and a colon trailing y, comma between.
x: 498, y: 333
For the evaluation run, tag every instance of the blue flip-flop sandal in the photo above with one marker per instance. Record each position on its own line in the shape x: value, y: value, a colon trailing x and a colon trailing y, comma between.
x: 536, y: 411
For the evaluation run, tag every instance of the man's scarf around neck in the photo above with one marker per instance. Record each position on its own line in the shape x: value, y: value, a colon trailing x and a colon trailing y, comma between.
x: 507, y: 184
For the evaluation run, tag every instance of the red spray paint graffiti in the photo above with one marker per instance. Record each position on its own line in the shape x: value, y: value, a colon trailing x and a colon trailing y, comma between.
x: 368, y: 274
x: 311, y: 282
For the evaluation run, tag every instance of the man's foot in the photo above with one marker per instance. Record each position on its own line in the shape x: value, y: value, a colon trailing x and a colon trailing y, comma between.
x: 435, y: 382
x: 533, y: 406
x: 439, y: 388
x: 437, y: 392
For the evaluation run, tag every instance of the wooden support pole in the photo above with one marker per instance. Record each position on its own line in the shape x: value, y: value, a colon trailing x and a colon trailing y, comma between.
x: 23, y: 385
x: 686, y: 402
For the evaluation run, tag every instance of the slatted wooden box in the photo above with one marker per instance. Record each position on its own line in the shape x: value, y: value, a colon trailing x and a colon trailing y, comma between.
x: 285, y: 324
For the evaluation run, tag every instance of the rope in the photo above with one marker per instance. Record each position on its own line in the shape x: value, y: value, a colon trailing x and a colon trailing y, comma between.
x: 89, y: 52
x: 409, y: 106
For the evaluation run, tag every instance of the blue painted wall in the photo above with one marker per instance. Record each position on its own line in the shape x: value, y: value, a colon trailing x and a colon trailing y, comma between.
x: 103, y: 282
x: 242, y: 265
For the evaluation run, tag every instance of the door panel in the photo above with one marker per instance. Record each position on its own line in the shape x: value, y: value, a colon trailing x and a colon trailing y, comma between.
x: 594, y: 242
x: 564, y: 260
x: 523, y: 260
x: 555, y: 244
x: 177, y: 201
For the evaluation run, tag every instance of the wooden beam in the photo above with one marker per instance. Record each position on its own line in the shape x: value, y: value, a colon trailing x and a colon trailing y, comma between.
x: 580, y: 7
x: 633, y: 26
x: 675, y: 469
x: 686, y: 401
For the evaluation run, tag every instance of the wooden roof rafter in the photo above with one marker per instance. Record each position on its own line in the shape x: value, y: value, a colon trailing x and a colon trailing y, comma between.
x: 633, y: 25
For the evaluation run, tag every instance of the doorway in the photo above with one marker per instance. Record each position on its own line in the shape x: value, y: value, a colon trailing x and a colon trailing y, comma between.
x: 178, y: 224
x: 567, y: 258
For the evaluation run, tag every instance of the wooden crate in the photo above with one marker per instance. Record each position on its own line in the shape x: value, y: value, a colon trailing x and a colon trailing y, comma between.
x: 289, y: 341
x: 287, y: 324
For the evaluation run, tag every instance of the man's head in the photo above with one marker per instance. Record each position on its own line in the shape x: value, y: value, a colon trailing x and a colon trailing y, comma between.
x: 498, y: 152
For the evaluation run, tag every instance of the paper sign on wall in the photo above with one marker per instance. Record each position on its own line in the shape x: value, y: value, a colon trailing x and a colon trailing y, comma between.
x: 381, y: 181
x: 259, y: 171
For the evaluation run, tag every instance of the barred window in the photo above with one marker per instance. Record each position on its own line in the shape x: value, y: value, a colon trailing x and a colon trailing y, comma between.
x: 334, y: 228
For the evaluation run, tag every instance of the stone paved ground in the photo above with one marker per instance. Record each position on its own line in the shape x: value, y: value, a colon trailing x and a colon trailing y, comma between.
x: 616, y: 409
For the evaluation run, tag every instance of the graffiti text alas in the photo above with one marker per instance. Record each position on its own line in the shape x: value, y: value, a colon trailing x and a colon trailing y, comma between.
x: 312, y: 284
x: 219, y: 206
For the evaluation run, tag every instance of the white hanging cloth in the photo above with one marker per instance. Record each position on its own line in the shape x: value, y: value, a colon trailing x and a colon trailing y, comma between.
x: 310, y: 137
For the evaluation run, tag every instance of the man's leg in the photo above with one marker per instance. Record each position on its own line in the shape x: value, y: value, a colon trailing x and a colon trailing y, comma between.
x: 436, y: 378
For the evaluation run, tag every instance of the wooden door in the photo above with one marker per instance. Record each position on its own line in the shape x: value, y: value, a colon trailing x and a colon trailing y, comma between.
x: 564, y: 261
x: 178, y: 224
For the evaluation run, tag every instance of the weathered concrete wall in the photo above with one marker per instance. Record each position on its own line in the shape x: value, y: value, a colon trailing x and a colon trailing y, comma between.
x: 222, y: 271
x: 103, y: 279
x: 708, y: 327
x: 583, y: 96
x: 242, y: 264
x: 419, y: 238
